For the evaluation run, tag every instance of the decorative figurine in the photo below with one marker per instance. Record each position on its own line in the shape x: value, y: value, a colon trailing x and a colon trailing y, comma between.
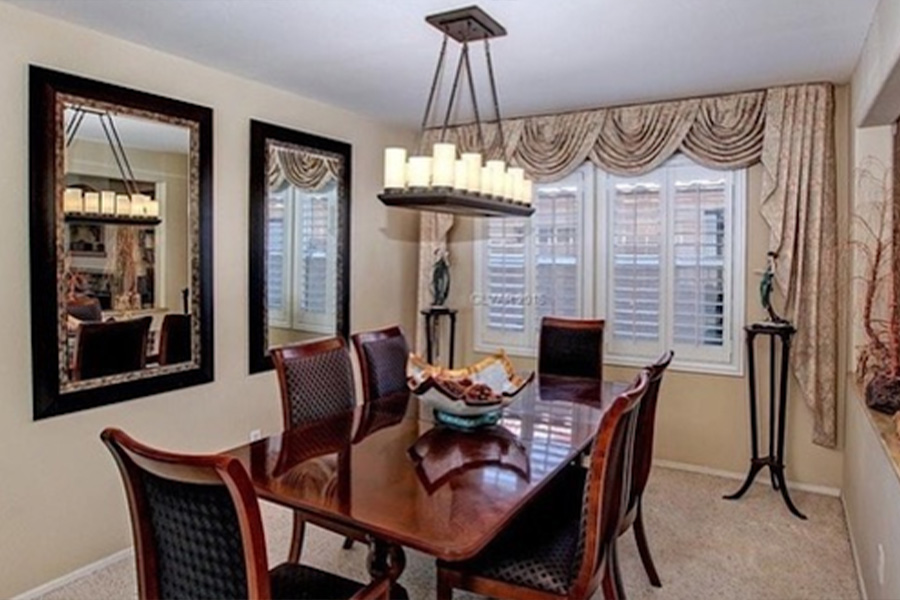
x: 440, y: 278
x: 766, y: 286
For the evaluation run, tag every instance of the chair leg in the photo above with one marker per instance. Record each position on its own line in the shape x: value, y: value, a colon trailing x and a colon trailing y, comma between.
x: 617, y: 572
x: 297, y: 538
x: 643, y: 548
x: 610, y: 591
x: 348, y: 543
x: 444, y: 589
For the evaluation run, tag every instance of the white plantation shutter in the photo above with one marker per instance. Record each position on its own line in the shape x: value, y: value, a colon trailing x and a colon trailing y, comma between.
x: 505, y: 284
x: 672, y: 240
x: 701, y: 247
x: 278, y: 278
x: 660, y: 256
x: 315, y: 256
x: 301, y: 255
x: 556, y: 226
x: 636, y: 244
x: 531, y: 267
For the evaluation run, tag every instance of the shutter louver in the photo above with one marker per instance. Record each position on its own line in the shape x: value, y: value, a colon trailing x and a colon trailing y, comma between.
x: 699, y: 249
x: 636, y: 262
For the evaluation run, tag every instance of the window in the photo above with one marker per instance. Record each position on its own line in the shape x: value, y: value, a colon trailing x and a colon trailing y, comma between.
x: 665, y: 267
x: 531, y: 267
x: 300, y: 254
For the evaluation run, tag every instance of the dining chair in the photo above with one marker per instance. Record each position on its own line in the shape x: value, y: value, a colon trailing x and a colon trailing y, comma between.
x: 198, y: 532
x: 175, y: 339
x: 571, y: 347
x: 110, y: 348
x: 382, y: 358
x: 316, y: 382
x: 641, y: 463
x: 573, y: 552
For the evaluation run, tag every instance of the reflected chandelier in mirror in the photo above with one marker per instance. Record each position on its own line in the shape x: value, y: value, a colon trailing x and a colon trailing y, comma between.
x: 299, y: 239
x: 121, y: 243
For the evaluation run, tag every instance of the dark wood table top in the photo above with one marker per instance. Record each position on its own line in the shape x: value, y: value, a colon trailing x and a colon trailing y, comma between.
x: 387, y: 469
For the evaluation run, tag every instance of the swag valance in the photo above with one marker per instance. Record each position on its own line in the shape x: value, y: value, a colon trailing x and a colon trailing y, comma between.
x: 790, y: 130
x: 305, y: 170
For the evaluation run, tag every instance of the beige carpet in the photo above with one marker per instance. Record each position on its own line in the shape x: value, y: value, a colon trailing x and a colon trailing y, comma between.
x: 704, y: 547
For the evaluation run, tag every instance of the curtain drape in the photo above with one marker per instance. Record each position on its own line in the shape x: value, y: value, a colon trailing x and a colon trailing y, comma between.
x: 789, y: 129
x: 303, y: 169
x: 800, y: 206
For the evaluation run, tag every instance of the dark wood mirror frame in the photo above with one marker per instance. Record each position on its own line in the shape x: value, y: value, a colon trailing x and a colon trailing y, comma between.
x: 45, y: 88
x: 260, y: 134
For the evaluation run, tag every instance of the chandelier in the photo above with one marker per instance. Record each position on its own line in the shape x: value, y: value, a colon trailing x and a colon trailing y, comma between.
x: 445, y: 181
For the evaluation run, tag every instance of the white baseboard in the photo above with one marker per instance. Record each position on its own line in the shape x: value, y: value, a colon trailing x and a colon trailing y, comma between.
x: 75, y: 575
x: 860, y: 582
x: 803, y: 487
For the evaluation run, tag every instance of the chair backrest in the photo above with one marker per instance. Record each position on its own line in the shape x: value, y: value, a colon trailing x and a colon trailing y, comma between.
x: 382, y: 355
x: 646, y: 425
x: 571, y: 347
x: 606, y: 487
x: 196, y: 523
x: 175, y: 339
x: 316, y: 380
x: 84, y: 308
x: 111, y: 348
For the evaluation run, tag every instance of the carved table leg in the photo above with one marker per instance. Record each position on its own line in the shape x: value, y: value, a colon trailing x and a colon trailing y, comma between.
x: 386, y: 559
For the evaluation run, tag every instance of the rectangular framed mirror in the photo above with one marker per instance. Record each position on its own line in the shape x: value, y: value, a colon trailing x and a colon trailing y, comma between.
x: 299, y: 239
x: 121, y: 243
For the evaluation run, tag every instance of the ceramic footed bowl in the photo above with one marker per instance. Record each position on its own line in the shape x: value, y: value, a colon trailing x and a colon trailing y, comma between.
x: 476, y: 394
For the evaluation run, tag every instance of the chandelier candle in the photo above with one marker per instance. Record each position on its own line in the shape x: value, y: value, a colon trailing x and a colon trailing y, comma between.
x: 419, y: 171
x: 395, y: 168
x: 443, y: 165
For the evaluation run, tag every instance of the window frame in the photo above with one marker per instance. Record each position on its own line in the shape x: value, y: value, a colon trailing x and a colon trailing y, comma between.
x: 595, y: 269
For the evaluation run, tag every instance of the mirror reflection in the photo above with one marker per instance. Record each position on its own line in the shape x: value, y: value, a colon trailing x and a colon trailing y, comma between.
x: 301, y: 244
x: 127, y: 274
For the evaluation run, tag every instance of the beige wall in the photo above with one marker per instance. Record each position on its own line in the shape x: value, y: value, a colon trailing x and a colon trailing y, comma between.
x: 871, y: 481
x: 703, y: 419
x: 61, y: 501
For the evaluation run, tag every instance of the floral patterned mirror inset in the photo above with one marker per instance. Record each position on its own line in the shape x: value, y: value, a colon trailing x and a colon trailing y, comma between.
x: 299, y: 239
x: 121, y: 243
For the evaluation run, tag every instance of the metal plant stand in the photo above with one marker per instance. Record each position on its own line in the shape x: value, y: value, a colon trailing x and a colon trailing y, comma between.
x: 432, y: 322
x: 776, y: 332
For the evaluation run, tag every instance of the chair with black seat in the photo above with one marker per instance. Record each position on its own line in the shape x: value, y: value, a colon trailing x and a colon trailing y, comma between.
x: 316, y: 382
x: 175, y: 339
x: 198, y: 531
x: 573, y: 551
x: 382, y: 355
x: 571, y: 348
x: 110, y: 348
x: 641, y: 463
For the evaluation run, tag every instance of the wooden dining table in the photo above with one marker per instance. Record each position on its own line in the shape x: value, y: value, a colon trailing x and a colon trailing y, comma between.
x: 387, y: 469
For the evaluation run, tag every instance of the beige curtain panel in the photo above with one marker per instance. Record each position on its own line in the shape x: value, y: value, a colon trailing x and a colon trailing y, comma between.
x: 789, y: 129
x: 303, y: 169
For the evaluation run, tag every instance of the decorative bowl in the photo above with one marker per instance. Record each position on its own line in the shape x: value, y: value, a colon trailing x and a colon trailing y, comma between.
x: 466, y: 398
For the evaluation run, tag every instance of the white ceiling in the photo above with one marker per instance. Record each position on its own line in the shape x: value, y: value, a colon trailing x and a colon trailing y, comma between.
x: 134, y: 132
x: 377, y: 56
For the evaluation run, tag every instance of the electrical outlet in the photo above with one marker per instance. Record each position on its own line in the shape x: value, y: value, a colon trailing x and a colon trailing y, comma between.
x: 255, y: 435
x: 880, y: 564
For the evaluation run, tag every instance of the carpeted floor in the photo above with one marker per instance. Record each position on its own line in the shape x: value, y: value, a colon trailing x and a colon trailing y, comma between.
x: 704, y: 547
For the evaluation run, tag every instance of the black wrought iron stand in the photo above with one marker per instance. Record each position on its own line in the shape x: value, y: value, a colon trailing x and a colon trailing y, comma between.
x: 777, y: 408
x: 432, y: 322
